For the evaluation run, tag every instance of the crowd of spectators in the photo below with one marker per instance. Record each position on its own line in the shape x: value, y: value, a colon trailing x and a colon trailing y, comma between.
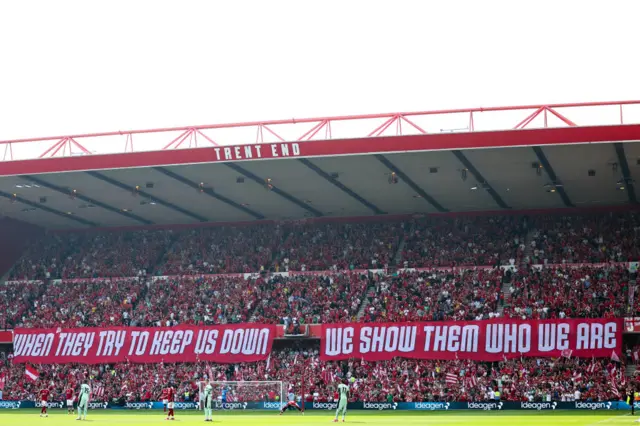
x: 87, y: 303
x: 433, y: 241
x: 16, y: 300
x: 221, y: 250
x: 563, y: 292
x: 170, y: 301
x: 465, y: 241
x: 340, y: 246
x: 115, y: 254
x: 172, y: 281
x: 44, y: 257
x: 311, y: 299
x: 196, y: 300
x: 611, y: 237
x: 528, y: 379
x: 410, y: 295
x: 436, y: 295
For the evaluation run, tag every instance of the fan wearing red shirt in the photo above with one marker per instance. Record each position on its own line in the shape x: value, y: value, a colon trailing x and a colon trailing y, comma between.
x: 44, y: 398
x: 69, y: 397
x: 171, y: 397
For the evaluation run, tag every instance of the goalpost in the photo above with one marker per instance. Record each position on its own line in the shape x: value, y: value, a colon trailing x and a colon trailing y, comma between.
x: 245, y: 395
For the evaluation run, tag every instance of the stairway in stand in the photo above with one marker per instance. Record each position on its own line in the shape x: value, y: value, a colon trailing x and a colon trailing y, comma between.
x: 369, y: 293
x: 396, y: 260
x: 528, y: 251
x: 630, y: 370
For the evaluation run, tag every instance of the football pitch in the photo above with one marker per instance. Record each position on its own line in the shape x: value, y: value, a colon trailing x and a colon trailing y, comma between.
x: 493, y: 418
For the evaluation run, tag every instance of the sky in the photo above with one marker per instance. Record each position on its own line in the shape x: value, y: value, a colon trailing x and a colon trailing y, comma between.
x: 71, y: 67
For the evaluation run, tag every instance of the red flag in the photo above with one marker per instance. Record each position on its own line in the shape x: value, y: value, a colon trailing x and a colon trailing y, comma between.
x: 327, y: 377
x: 98, y: 391
x: 31, y: 373
x: 3, y: 380
x: 451, y: 379
x: 614, y: 390
x: 472, y: 381
x: 614, y: 356
x: 566, y: 353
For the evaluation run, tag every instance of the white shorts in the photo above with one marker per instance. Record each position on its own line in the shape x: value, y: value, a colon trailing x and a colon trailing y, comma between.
x: 165, y: 401
x: 43, y: 404
x: 170, y: 405
x: 70, y: 403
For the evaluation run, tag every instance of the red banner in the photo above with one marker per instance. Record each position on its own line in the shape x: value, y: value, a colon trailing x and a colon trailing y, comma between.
x: 222, y: 344
x: 493, y: 340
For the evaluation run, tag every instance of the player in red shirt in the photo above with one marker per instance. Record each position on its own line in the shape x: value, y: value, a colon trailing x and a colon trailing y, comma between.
x: 44, y: 398
x: 171, y: 397
x: 164, y: 398
x: 69, y: 397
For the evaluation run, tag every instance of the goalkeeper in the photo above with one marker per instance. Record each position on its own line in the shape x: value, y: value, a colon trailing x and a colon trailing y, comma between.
x: 343, y: 392
x: 208, y: 403
x: 83, y: 401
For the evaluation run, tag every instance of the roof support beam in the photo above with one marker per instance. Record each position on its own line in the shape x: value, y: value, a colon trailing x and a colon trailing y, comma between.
x: 275, y: 189
x: 86, y: 199
x: 48, y: 209
x: 481, y: 180
x: 624, y: 165
x: 384, y: 160
x: 341, y: 186
x: 160, y: 201
x: 552, y: 175
x: 209, y: 191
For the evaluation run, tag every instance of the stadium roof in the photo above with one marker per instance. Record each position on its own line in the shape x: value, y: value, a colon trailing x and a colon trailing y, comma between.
x: 484, y: 159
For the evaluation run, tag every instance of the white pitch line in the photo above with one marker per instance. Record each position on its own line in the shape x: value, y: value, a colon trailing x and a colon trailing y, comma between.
x: 608, y: 419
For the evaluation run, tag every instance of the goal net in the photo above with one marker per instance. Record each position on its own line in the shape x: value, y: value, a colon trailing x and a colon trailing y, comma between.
x: 245, y: 395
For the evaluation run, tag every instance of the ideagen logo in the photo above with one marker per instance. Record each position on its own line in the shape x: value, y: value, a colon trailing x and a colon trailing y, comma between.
x: 539, y: 405
x: 487, y: 406
x: 49, y: 404
x: 380, y: 405
x: 594, y: 405
x: 95, y: 405
x: 139, y: 405
x: 232, y: 405
x: 432, y: 406
x: 273, y: 406
x: 325, y: 405
x: 185, y: 405
x: 14, y: 405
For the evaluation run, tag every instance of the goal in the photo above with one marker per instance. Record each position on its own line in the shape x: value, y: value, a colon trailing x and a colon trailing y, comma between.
x: 245, y: 395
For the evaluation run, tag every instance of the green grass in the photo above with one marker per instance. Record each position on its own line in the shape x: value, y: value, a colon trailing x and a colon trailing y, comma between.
x: 315, y: 418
